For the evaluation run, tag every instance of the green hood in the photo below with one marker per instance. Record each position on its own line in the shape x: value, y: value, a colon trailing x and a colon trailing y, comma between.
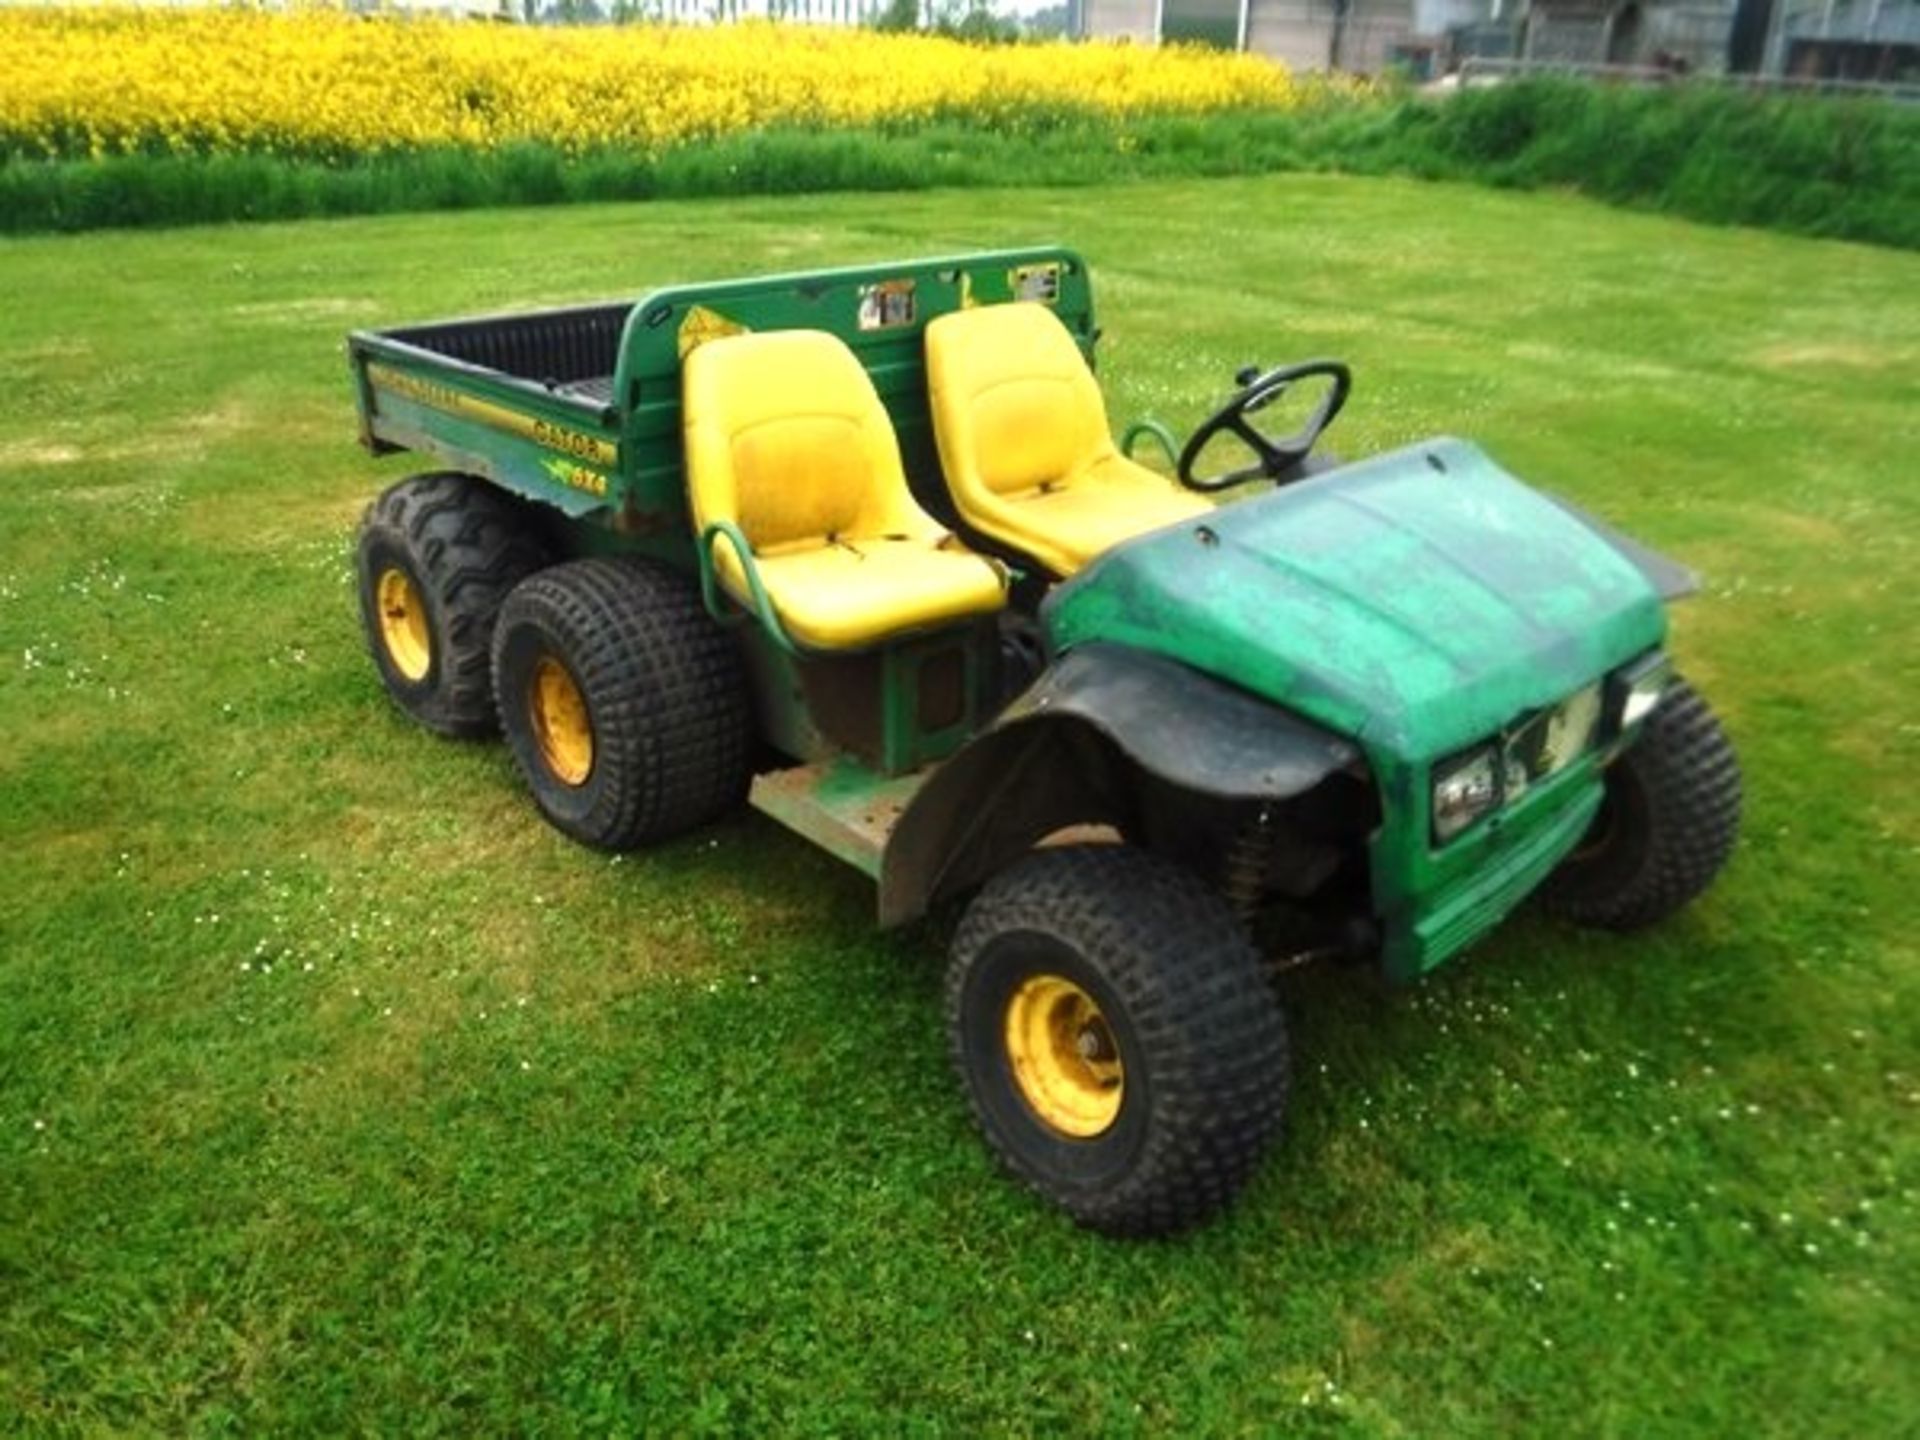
x: 1418, y: 601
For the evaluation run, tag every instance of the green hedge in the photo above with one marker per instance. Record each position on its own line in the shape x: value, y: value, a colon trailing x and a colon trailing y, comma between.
x: 1848, y: 168
x: 1812, y: 164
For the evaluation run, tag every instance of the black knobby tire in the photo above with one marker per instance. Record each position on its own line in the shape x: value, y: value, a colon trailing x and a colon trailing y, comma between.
x: 462, y: 546
x: 1191, y: 1014
x: 664, y: 692
x: 1666, y: 826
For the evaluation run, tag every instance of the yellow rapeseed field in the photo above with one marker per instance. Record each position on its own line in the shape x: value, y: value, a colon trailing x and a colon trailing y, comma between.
x: 323, y: 83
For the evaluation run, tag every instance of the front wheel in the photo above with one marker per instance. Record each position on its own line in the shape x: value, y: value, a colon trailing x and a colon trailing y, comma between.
x: 1666, y: 825
x: 1118, y: 1039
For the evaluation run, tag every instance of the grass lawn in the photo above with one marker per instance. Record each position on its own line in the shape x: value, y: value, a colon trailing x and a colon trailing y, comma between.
x: 337, y: 1092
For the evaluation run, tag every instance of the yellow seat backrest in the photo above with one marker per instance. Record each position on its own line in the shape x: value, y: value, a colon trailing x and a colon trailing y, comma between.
x: 788, y: 441
x: 787, y: 438
x: 1024, y: 442
x: 1015, y: 405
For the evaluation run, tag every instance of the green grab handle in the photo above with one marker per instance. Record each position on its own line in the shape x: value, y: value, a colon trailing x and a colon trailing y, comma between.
x: 1158, y: 432
x: 763, y: 610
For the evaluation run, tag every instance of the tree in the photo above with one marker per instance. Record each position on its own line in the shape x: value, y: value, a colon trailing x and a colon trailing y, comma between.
x: 898, y: 16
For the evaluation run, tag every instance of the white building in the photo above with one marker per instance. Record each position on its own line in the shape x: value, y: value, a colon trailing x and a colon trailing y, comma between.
x: 1367, y: 35
x: 1306, y: 34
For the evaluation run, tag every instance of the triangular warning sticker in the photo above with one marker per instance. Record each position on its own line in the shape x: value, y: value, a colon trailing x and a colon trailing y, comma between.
x: 702, y: 325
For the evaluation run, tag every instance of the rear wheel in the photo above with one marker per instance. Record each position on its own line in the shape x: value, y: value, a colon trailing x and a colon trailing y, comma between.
x: 437, y: 555
x: 623, y: 700
x: 1666, y: 826
x: 1119, y: 1042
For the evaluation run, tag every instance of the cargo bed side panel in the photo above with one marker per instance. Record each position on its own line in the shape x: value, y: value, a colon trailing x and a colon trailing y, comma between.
x: 549, y: 449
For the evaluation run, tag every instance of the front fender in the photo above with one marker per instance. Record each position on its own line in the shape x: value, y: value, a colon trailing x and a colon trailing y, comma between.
x: 1071, y: 750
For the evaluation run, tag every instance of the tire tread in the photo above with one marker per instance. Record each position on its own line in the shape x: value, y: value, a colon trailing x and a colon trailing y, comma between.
x: 1690, y: 777
x: 664, y: 685
x: 1199, y: 1001
x: 471, y: 544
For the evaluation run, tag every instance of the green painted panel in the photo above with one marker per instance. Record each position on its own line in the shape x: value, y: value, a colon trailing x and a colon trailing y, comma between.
x: 1417, y: 601
x: 1472, y: 885
x: 539, y: 446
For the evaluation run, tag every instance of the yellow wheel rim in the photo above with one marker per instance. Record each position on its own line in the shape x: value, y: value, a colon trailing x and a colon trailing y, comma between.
x: 403, y: 623
x: 1064, y: 1058
x: 561, y: 728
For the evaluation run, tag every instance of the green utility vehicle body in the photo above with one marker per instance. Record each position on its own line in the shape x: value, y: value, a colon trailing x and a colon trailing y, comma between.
x: 1418, y: 603
x: 1387, y: 614
x: 933, y: 619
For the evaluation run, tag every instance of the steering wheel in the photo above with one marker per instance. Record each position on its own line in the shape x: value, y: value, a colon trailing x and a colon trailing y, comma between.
x: 1257, y: 392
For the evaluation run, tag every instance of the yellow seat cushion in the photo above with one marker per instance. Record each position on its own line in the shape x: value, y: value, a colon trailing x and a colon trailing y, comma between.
x: 1074, y: 524
x: 787, y: 439
x: 1024, y: 442
x: 829, y: 595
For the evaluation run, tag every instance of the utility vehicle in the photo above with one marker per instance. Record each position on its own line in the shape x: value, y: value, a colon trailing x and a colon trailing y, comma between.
x: 858, y: 547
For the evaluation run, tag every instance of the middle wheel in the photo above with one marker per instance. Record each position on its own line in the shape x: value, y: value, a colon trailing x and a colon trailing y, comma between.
x: 1118, y: 1038
x: 623, y: 700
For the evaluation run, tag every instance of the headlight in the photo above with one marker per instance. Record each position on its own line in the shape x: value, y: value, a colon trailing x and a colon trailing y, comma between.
x: 1634, y: 691
x: 1552, y: 740
x: 1570, y: 729
x: 1464, y: 790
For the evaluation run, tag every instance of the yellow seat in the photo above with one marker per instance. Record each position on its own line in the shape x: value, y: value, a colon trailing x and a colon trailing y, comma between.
x: 1024, y: 441
x: 787, y: 440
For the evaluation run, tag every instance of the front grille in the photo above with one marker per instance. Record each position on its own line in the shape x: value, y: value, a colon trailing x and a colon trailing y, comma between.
x: 1481, y: 894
